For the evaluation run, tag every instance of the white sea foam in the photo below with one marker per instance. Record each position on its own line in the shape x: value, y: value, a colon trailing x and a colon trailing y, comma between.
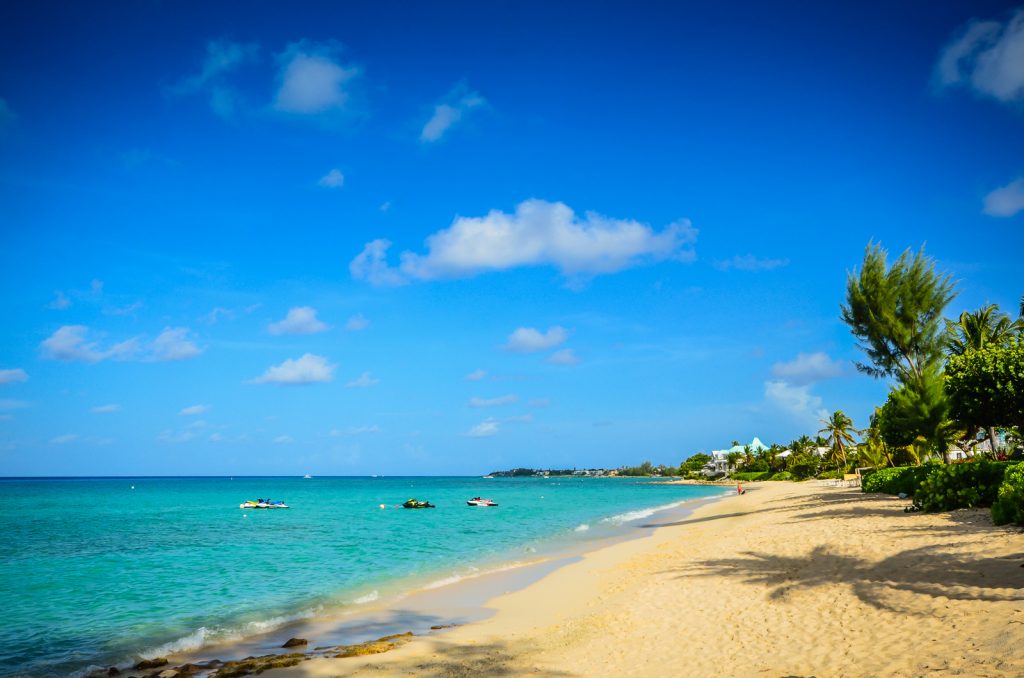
x: 368, y: 598
x: 582, y: 528
x: 630, y: 516
x: 473, y: 573
x: 204, y: 636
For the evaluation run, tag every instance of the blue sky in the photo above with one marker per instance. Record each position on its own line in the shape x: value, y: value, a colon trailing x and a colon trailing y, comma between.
x: 381, y: 238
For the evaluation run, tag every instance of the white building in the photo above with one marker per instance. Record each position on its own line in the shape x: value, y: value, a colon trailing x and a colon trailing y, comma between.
x: 720, y: 458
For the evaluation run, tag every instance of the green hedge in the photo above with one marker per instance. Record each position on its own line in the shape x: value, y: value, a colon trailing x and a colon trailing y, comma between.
x: 1009, y: 504
x: 956, y: 486
x: 750, y: 476
x: 896, y: 480
x: 830, y: 475
x: 782, y: 475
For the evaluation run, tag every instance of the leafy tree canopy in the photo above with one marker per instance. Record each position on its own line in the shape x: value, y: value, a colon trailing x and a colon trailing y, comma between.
x: 986, y: 386
x: 896, y: 313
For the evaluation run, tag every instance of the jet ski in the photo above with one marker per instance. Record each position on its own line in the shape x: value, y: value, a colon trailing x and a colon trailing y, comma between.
x: 477, y: 501
x: 262, y: 504
x: 416, y: 504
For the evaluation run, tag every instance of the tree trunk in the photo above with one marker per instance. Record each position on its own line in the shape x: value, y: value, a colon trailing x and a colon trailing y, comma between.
x: 992, y: 439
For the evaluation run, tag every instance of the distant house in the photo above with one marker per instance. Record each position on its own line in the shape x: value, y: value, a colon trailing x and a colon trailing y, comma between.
x: 719, y: 463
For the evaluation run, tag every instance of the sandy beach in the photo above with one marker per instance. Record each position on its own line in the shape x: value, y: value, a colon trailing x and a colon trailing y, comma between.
x: 787, y: 580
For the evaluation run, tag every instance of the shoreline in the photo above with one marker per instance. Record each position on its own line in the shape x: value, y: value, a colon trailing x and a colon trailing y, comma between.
x: 416, y: 604
x: 788, y: 579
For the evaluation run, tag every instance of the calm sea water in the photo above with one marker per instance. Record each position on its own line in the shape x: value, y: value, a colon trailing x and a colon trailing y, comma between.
x: 99, y: 571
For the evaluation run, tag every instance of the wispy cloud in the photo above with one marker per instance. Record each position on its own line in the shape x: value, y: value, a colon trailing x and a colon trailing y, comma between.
x: 193, y: 410
x: 354, y: 431
x: 106, y: 409
x: 333, y: 179
x: 1005, y: 201
x: 796, y: 401
x: 494, y: 402
x: 356, y: 323
x: 449, y: 112
x: 299, y: 320
x: 60, y: 301
x: 808, y: 368
x: 364, y: 380
x: 485, y: 429
x: 564, y: 357
x: 284, y: 440
x: 987, y: 57
x: 312, y: 80
x: 309, y: 369
x: 538, y: 233
x: 10, y: 404
x: 475, y: 375
x: 73, y: 343
x: 530, y: 340
x: 64, y: 439
x: 222, y: 58
x: 748, y: 262
x: 13, y: 376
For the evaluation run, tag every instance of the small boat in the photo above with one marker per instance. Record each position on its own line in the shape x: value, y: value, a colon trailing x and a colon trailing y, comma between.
x: 477, y: 501
x: 487, y: 477
x: 307, y: 477
x: 259, y: 504
x: 416, y: 504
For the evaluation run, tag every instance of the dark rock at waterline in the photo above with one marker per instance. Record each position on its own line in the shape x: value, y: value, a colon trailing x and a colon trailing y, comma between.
x: 296, y: 642
x: 113, y: 671
x: 151, y: 663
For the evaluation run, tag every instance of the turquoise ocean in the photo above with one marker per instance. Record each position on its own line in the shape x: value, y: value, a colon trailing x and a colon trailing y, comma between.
x: 99, y: 571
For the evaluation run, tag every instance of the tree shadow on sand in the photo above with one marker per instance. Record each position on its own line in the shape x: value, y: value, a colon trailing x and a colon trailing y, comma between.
x: 935, y: 571
x: 471, y: 661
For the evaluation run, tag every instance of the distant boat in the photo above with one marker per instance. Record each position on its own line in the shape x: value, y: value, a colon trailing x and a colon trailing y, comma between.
x: 307, y: 476
x: 488, y: 477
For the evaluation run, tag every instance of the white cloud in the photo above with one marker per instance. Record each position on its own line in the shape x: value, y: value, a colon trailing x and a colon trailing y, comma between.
x: 63, y: 439
x: 217, y: 313
x: 494, y: 402
x: 748, y: 262
x: 106, y: 409
x: 484, y: 429
x: 371, y: 265
x: 356, y: 323
x: 173, y: 344
x: 797, y: 401
x: 8, y: 404
x: 362, y: 381
x: 169, y: 436
x: 72, y: 343
x: 69, y: 343
x: 564, y: 357
x: 309, y: 369
x: 475, y: 375
x: 530, y: 340
x: 312, y: 81
x: 449, y: 112
x: 222, y: 57
x: 283, y: 440
x: 539, y: 402
x: 539, y: 233
x: 333, y: 179
x: 988, y: 56
x: 13, y: 376
x: 60, y: 301
x: 300, y: 320
x: 193, y: 410
x: 215, y: 437
x: 1006, y: 200
x: 808, y: 368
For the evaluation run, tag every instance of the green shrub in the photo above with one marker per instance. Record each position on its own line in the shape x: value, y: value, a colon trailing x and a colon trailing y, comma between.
x: 895, y: 480
x: 1009, y: 504
x: 802, y: 469
x: 782, y: 475
x: 956, y: 486
x: 750, y: 476
x: 830, y: 475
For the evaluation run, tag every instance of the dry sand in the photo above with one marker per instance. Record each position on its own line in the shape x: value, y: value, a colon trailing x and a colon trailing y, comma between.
x: 787, y: 580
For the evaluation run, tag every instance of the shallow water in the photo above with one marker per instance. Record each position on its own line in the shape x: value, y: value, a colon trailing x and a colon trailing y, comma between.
x: 97, y: 573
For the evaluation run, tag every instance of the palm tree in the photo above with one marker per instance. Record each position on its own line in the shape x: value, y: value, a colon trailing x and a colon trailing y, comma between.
x: 839, y: 432
x: 984, y: 327
x: 987, y: 326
